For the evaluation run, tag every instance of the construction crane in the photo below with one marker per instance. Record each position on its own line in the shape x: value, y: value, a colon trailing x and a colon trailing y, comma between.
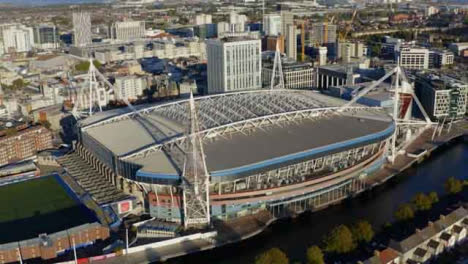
x: 342, y: 36
x: 302, y: 24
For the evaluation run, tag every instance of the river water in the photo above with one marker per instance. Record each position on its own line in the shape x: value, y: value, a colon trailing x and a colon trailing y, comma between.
x: 294, y: 236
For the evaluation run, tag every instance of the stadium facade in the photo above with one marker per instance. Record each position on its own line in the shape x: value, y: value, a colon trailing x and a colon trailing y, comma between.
x: 278, y: 150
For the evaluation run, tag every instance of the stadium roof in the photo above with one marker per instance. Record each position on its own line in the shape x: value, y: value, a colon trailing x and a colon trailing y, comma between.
x: 242, y: 131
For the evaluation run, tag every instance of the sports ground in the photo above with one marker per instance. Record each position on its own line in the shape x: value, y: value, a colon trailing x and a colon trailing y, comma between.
x: 43, y: 205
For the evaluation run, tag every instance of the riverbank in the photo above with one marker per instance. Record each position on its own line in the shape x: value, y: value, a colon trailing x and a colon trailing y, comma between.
x: 265, y: 231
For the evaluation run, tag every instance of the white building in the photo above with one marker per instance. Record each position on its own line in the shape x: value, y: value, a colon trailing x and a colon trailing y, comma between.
x: 203, y: 19
x: 46, y: 37
x: 82, y: 29
x: 272, y: 24
x: 129, y: 87
x: 237, y: 22
x: 413, y: 58
x: 322, y: 51
x: 291, y: 42
x: 431, y: 10
x: 234, y: 64
x: 222, y: 28
x: 17, y: 38
x: 128, y: 30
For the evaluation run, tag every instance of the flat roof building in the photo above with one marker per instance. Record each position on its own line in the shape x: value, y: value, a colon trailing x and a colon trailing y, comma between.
x: 234, y: 64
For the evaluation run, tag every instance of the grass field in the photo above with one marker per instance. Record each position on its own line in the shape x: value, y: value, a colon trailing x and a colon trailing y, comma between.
x: 37, y: 206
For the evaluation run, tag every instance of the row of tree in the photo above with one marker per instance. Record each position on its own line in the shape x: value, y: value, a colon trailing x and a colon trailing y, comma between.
x: 341, y: 239
x: 424, y: 202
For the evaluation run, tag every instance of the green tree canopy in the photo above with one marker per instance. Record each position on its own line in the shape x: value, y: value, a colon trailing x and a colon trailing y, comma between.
x: 453, y: 186
x: 315, y: 255
x: 339, y: 240
x: 404, y: 212
x: 422, y: 202
x: 362, y: 231
x: 434, y: 197
x: 272, y: 256
x: 84, y: 65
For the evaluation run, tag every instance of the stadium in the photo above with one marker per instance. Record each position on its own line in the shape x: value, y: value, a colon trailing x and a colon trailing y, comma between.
x: 281, y: 150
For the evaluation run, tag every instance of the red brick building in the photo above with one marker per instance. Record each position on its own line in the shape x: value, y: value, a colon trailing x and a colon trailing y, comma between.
x: 24, y: 144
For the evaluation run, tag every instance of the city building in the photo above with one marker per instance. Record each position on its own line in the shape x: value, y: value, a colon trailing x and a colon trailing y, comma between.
x: 129, y: 87
x: 291, y: 42
x: 427, y: 243
x: 322, y: 34
x: 46, y: 37
x: 272, y: 24
x: 25, y: 143
x: 269, y: 43
x: 202, y: 19
x: 336, y: 75
x: 348, y: 50
x: 440, y: 58
x: 82, y: 29
x: 412, y: 58
x: 49, y: 246
x: 458, y: 48
x: 441, y: 96
x: 222, y: 28
x: 296, y: 75
x: 128, y: 30
x: 237, y: 22
x: 322, y: 55
x: 17, y: 38
x: 234, y: 64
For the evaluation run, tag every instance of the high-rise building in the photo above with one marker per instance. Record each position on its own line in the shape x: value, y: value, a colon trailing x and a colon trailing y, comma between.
x: 291, y: 42
x: 234, y: 64
x: 46, y: 37
x: 202, y: 19
x: 129, y: 87
x: 322, y: 34
x: 412, y: 58
x: 17, y: 38
x: 82, y: 29
x: 237, y: 22
x: 272, y: 24
x: 128, y: 30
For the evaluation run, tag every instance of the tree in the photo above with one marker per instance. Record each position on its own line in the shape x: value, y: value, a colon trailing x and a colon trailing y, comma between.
x: 404, y: 212
x: 434, y: 197
x: 453, y: 186
x: 339, y: 240
x: 422, y: 202
x: 18, y: 84
x: 315, y: 255
x: 272, y: 256
x: 362, y: 231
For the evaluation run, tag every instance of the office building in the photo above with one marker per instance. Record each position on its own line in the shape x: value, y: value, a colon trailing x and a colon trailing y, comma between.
x: 458, y: 48
x: 129, y: 87
x: 237, y: 22
x: 440, y: 58
x: 412, y: 58
x: 336, y: 75
x: 441, y: 96
x: 128, y: 30
x: 272, y: 24
x: 322, y: 34
x: 234, y: 64
x: 270, y: 43
x: 222, y: 28
x: 296, y: 75
x: 17, y: 38
x: 82, y: 29
x: 202, y: 19
x: 46, y: 37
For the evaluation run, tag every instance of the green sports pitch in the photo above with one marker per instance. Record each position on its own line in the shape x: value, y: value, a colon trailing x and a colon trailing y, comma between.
x: 38, y: 206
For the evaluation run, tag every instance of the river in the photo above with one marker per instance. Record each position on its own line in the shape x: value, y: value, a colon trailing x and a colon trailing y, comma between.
x: 293, y: 236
